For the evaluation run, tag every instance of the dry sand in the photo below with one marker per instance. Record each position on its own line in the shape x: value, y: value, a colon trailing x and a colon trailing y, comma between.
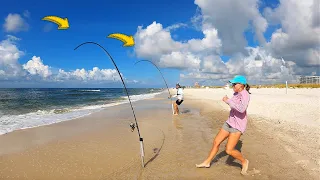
x: 292, y: 116
x: 101, y: 146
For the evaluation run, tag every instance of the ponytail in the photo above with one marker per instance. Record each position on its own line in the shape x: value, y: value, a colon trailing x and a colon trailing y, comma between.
x: 247, y: 88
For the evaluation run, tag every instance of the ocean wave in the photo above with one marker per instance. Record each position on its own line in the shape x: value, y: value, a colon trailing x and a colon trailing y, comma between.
x: 80, y: 90
x: 93, y: 90
x: 9, y: 123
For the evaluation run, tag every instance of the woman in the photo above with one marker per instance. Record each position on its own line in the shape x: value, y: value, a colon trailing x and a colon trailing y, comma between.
x: 235, y: 126
x: 179, y: 100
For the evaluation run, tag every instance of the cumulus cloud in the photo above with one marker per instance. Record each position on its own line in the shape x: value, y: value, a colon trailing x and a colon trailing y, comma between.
x: 213, y: 65
x: 179, y: 60
x: 35, y: 70
x: 95, y: 74
x: 232, y: 19
x: 35, y: 66
x: 155, y: 43
x: 298, y: 39
x: 9, y: 55
x: 290, y: 51
x: 15, y: 23
x: 265, y: 70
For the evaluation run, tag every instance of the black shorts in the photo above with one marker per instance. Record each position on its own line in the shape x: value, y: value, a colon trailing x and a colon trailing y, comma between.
x: 179, y: 102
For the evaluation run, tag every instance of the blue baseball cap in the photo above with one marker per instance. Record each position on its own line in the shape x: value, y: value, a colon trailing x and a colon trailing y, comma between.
x: 239, y: 79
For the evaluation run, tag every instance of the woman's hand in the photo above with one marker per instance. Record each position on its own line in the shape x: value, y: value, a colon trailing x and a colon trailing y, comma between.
x: 225, y: 98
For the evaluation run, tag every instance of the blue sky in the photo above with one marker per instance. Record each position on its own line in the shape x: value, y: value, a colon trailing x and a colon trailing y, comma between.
x: 94, y: 21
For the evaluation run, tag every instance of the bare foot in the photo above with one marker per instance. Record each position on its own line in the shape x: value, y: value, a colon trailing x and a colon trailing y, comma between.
x: 203, y: 165
x: 245, y: 167
x: 175, y: 114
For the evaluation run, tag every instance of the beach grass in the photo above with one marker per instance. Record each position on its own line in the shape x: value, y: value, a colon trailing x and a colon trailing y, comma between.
x: 274, y: 86
x: 289, y: 86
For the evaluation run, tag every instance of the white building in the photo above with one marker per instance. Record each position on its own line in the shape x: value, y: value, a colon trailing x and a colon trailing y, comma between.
x: 309, y: 80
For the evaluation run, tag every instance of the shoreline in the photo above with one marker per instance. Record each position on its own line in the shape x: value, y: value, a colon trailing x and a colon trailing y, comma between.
x: 102, y: 145
x: 49, y: 117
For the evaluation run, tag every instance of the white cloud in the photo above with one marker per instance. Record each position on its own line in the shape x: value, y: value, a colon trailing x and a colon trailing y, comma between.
x: 179, y: 60
x: 316, y: 13
x: 154, y: 41
x: 15, y: 23
x: 223, y: 24
x: 213, y: 64
x: 35, y: 66
x: 176, y: 26
x: 35, y: 69
x: 232, y: 19
x: 197, y: 19
x: 9, y: 55
x: 91, y: 75
x: 292, y: 50
x: 298, y: 38
x: 266, y: 69
x: 156, y: 44
x: 210, y: 43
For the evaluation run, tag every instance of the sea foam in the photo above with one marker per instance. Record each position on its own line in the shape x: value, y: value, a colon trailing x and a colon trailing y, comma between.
x: 9, y: 123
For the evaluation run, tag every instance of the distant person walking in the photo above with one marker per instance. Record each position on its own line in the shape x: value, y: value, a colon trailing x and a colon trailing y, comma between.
x: 179, y: 100
x: 235, y: 126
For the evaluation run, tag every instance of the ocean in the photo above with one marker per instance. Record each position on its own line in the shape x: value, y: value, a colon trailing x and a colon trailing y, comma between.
x: 27, y: 108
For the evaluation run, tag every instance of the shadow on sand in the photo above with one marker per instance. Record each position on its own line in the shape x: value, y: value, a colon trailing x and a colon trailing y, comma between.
x: 230, y: 160
x: 156, y: 150
x: 185, y: 111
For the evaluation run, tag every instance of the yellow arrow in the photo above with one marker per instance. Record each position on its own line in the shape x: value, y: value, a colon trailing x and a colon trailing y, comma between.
x: 127, y: 40
x: 62, y: 23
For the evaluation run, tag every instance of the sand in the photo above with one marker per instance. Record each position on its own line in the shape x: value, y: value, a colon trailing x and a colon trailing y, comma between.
x: 292, y: 116
x: 102, y: 146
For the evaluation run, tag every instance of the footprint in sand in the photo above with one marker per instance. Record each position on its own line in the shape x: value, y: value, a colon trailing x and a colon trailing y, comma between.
x: 303, y: 163
x: 155, y: 150
x: 287, y: 148
x: 253, y: 172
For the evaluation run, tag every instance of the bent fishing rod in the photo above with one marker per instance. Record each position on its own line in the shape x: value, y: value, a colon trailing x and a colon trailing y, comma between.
x: 131, y: 125
x: 162, y: 78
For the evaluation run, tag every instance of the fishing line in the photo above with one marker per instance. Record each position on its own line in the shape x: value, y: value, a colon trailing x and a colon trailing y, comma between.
x: 162, y: 78
x: 140, y: 138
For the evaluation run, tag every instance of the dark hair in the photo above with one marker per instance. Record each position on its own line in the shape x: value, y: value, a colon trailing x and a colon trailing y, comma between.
x: 247, y: 88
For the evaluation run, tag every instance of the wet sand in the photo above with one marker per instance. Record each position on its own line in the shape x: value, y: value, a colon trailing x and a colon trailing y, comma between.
x: 102, y: 146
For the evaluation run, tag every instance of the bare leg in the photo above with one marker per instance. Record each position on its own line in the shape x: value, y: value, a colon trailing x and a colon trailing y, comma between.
x: 176, y: 110
x: 232, y: 141
x: 174, y: 107
x: 221, y: 136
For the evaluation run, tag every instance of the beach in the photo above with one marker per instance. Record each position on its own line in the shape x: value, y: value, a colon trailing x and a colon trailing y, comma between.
x: 281, y: 140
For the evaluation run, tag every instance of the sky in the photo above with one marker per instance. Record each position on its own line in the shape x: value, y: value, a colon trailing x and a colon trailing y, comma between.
x: 205, y: 41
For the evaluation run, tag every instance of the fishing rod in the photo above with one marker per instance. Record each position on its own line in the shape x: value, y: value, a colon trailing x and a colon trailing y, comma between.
x: 131, y: 125
x: 162, y: 78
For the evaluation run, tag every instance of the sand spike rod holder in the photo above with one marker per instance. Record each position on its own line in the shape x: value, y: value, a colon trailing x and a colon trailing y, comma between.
x: 140, y: 138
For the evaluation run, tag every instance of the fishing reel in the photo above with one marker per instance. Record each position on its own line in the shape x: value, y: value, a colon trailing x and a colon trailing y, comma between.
x: 133, y: 126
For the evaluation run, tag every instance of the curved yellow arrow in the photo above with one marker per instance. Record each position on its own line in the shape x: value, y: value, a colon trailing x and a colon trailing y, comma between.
x: 127, y: 40
x: 62, y: 23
